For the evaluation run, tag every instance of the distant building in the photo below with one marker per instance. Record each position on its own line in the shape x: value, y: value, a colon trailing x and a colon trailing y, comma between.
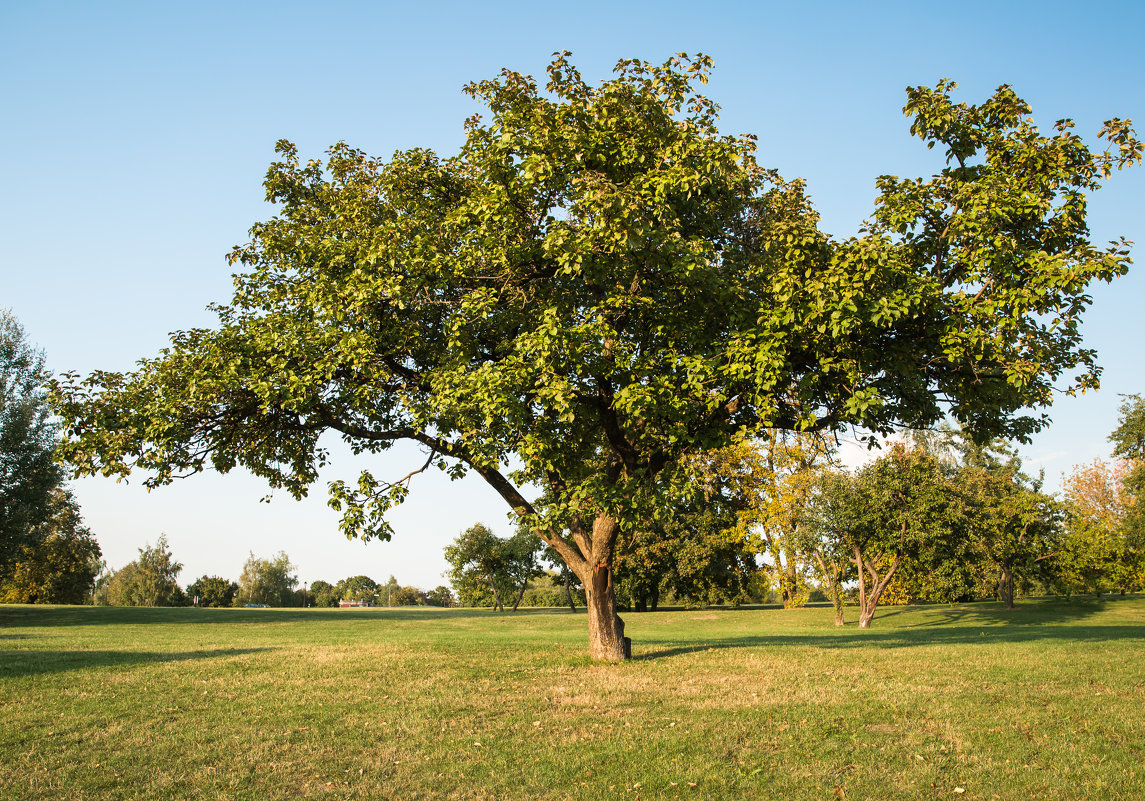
x: 344, y: 603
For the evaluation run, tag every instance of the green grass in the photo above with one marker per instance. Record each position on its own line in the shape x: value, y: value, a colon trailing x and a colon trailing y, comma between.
x: 1045, y: 702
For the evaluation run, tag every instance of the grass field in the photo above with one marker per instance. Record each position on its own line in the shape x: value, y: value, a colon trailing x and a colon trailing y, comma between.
x: 968, y: 702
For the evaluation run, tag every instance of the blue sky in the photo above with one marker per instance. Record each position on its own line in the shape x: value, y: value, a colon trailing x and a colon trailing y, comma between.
x: 134, y: 138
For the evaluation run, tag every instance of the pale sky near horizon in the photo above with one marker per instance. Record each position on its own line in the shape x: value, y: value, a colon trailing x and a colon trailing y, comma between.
x: 135, y: 136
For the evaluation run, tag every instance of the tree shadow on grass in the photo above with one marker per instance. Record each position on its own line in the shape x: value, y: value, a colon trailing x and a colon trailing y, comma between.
x: 16, y: 616
x: 907, y: 637
x: 15, y: 663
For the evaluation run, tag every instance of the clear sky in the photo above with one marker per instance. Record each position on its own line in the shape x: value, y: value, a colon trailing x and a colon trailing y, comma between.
x: 134, y: 138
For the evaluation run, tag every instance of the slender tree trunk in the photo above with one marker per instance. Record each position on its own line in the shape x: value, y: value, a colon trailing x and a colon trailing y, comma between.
x: 497, y: 605
x: 520, y: 595
x: 568, y: 590
x: 655, y: 599
x: 832, y: 576
x: 1006, y: 587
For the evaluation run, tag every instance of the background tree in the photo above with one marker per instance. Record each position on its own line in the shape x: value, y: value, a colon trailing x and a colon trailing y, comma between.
x: 1014, y: 524
x: 324, y: 593
x: 357, y: 588
x: 486, y: 568
x: 599, y: 284
x: 407, y: 596
x: 898, y: 508
x: 267, y: 581
x: 212, y: 591
x: 769, y: 483
x: 831, y: 514
x: 441, y: 595
x: 1129, y: 444
x: 1092, y: 553
x: 28, y: 474
x: 151, y: 580
x: 60, y: 565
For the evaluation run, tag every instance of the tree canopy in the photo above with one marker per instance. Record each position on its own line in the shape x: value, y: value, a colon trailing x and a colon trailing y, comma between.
x: 598, y: 284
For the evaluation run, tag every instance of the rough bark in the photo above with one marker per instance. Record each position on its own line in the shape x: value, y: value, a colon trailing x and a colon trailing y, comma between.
x: 606, y: 640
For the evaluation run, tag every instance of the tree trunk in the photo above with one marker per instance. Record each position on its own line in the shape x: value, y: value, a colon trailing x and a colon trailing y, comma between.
x: 568, y: 590
x: 520, y: 595
x: 606, y: 640
x: 1006, y: 587
x: 868, y: 603
x: 497, y: 605
x: 833, y: 578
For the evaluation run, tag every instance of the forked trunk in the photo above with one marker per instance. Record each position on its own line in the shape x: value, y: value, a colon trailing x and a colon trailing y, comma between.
x: 606, y: 640
x: 869, y: 602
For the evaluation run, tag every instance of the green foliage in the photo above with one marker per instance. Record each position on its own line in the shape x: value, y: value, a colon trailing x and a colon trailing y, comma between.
x: 151, y: 580
x: 60, y: 565
x: 357, y: 588
x: 407, y: 596
x: 441, y: 595
x: 1129, y: 444
x: 487, y: 570
x: 29, y: 477
x: 268, y: 581
x: 323, y: 594
x: 212, y: 591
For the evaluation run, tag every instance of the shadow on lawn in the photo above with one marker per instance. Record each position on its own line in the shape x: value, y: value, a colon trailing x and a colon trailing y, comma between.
x: 14, y: 616
x: 961, y: 625
x: 36, y: 663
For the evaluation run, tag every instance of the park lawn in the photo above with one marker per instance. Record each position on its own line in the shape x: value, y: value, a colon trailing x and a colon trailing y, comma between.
x: 968, y: 702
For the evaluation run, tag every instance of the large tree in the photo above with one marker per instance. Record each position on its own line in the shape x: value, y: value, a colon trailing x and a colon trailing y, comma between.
x: 600, y: 283
x: 29, y: 476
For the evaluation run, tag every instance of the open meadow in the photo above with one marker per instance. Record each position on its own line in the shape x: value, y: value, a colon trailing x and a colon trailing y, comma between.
x: 970, y: 702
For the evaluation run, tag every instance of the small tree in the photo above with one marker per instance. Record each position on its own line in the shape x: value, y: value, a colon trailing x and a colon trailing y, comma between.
x: 1129, y: 444
x: 59, y: 566
x: 1092, y: 553
x: 357, y: 588
x: 151, y: 580
x: 324, y: 593
x: 441, y: 596
x: 267, y: 581
x: 212, y: 591
x: 481, y: 561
